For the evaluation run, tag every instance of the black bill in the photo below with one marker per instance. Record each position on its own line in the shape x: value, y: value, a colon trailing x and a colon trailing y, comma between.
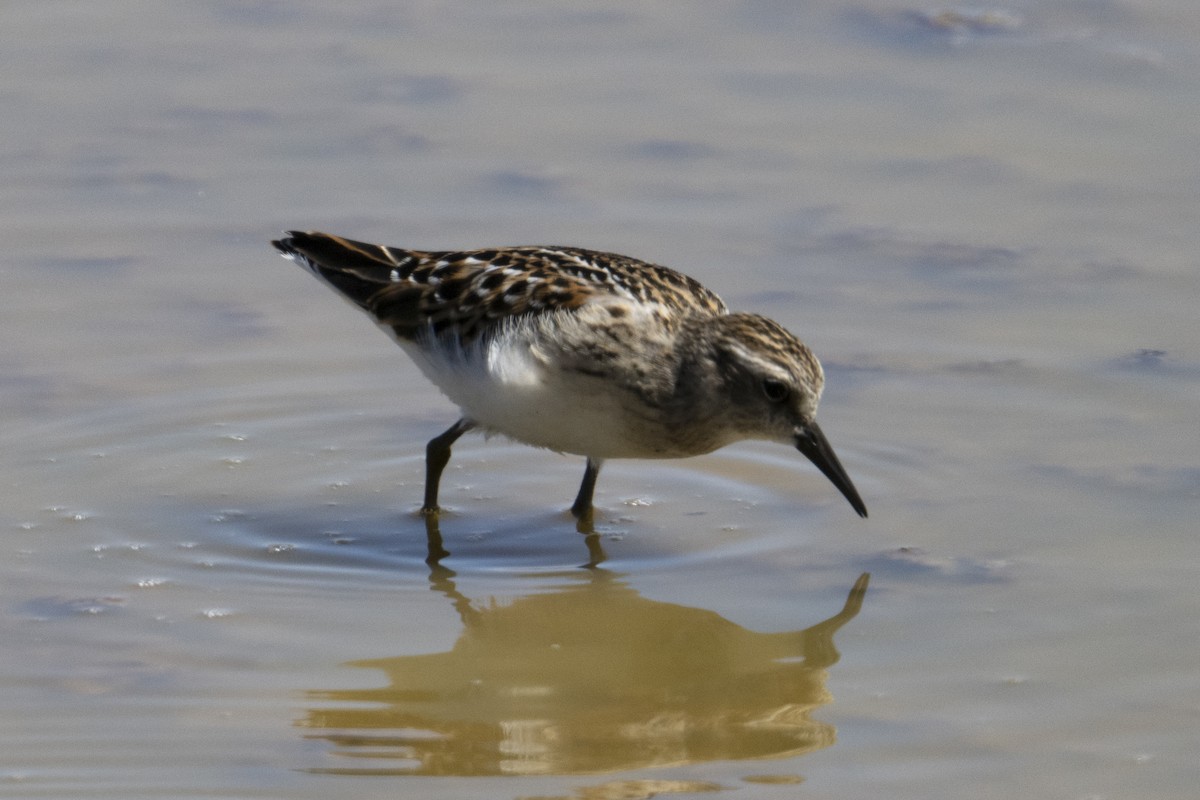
x: 813, y: 444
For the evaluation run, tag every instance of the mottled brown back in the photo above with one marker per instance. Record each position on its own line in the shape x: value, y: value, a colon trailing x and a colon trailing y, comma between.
x: 464, y: 293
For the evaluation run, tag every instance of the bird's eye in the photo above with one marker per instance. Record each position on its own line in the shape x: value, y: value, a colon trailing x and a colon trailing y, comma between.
x: 776, y: 391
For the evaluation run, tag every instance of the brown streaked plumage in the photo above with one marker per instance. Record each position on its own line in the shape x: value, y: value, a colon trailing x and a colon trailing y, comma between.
x: 581, y: 352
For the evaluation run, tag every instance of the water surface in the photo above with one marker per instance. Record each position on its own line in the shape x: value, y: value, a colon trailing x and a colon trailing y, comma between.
x: 983, y: 220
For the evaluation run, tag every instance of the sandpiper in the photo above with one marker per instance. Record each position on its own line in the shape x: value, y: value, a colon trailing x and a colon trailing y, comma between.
x: 582, y: 352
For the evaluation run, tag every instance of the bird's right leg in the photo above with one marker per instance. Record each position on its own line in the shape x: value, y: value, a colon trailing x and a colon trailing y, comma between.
x: 582, y: 507
x: 437, y: 455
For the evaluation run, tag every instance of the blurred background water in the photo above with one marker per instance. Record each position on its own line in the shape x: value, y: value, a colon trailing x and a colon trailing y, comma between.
x: 981, y: 218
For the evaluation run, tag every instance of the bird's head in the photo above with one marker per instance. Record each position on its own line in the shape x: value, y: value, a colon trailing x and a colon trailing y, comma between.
x: 773, y: 384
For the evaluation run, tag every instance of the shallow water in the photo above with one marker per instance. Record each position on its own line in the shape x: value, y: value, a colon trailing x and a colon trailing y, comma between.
x: 214, y: 580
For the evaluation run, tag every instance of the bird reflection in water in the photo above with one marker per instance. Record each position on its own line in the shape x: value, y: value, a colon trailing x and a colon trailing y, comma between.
x: 590, y: 677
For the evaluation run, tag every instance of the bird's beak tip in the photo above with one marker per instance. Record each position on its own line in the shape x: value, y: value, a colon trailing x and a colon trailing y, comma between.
x: 816, y: 448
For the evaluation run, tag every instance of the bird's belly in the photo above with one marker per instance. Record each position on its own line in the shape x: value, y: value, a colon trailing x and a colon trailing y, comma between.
x: 507, y: 391
x: 577, y: 423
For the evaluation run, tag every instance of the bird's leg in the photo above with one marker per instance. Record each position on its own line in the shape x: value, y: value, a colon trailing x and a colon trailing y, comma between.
x: 437, y: 455
x: 582, y: 508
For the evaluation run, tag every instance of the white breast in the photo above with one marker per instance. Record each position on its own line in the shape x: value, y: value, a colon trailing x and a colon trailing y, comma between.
x: 508, y: 387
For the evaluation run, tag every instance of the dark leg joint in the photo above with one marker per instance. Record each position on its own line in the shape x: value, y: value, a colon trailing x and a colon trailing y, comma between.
x: 437, y: 456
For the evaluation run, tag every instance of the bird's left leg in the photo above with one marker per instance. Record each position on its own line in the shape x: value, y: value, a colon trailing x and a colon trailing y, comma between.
x: 437, y: 455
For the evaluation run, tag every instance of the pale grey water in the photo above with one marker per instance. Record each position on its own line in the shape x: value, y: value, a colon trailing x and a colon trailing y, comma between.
x: 983, y: 220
